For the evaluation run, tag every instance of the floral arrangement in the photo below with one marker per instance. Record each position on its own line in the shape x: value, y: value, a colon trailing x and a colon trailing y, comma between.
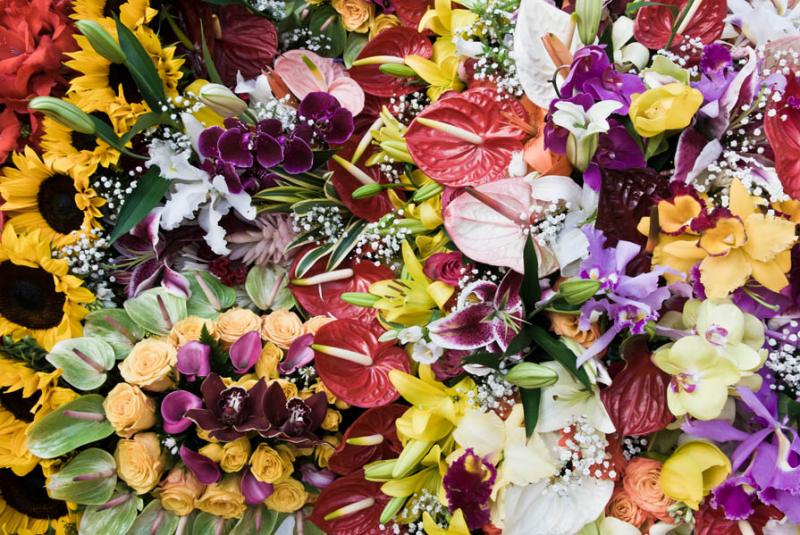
x: 364, y: 267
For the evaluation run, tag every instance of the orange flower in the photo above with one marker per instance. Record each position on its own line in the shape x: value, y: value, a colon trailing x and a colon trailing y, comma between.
x: 537, y: 157
x: 623, y: 507
x: 567, y: 325
x: 640, y: 482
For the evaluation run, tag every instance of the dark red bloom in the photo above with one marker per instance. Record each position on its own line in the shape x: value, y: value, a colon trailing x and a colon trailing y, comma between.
x: 347, y: 490
x: 654, y: 23
x: 468, y: 484
x: 410, y: 12
x: 294, y: 420
x: 783, y: 132
x: 396, y: 42
x: 377, y: 423
x: 710, y: 521
x: 230, y: 412
x: 230, y: 272
x: 446, y: 267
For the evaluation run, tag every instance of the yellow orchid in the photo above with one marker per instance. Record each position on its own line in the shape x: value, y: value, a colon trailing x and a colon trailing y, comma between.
x: 692, y: 471
x: 457, y: 526
x: 445, y: 21
x: 441, y: 72
x: 411, y: 299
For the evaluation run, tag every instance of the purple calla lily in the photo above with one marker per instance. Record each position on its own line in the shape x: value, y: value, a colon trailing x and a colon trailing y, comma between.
x: 496, y: 317
x: 299, y: 354
x: 319, y: 478
x: 253, y: 490
x: 173, y: 410
x: 194, y: 360
x: 205, y: 470
x: 245, y: 352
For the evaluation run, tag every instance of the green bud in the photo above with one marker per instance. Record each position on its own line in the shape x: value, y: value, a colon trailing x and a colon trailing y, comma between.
x: 359, y: 299
x: 367, y: 190
x: 588, y: 13
x: 580, y: 151
x: 399, y: 71
x: 391, y: 509
x: 379, y: 470
x: 65, y: 113
x: 578, y: 291
x: 222, y: 100
x: 531, y: 375
x: 431, y: 189
x: 410, y: 457
x: 102, y: 41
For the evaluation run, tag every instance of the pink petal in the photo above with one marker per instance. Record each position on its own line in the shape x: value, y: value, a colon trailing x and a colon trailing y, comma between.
x: 348, y: 93
x: 468, y: 328
x: 298, y: 77
x: 245, y: 352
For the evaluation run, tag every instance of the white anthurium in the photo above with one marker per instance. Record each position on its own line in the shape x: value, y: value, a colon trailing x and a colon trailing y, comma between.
x: 535, y: 69
x: 191, y: 190
x: 762, y: 21
x: 567, y: 400
x: 624, y: 50
x: 559, y: 508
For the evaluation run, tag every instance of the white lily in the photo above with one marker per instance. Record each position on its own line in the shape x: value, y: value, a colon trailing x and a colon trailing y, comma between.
x: 584, y: 128
x: 567, y: 400
x: 762, y: 21
x: 625, y: 51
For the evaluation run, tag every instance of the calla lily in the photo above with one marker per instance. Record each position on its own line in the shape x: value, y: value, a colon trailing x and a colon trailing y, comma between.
x: 206, y: 470
x: 245, y: 352
x: 298, y: 355
x: 194, y: 360
x: 253, y: 490
x: 692, y: 471
x: 173, y: 410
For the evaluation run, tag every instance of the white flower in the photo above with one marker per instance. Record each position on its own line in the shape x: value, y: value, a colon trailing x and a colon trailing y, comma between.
x: 762, y: 21
x: 625, y: 52
x: 410, y: 335
x: 258, y: 88
x: 517, y: 167
x: 465, y: 47
x: 567, y: 400
x: 426, y: 352
x: 584, y: 123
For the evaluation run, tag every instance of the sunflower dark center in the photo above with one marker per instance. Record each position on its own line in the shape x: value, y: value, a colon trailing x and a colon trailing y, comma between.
x: 56, y: 200
x: 28, y: 495
x: 83, y: 141
x: 111, y: 8
x: 19, y: 406
x: 28, y: 297
x: 118, y: 74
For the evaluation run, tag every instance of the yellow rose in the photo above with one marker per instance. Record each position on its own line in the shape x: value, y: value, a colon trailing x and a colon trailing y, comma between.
x: 312, y: 325
x: 356, y: 14
x: 692, y: 471
x: 235, y: 455
x: 332, y: 420
x: 288, y: 454
x: 287, y: 496
x: 267, y: 364
x: 669, y: 107
x: 129, y: 410
x: 179, y: 490
x: 150, y: 365
x: 189, y: 329
x: 288, y: 387
x: 267, y: 464
x: 223, y: 499
x: 382, y: 22
x: 281, y: 327
x: 212, y: 451
x: 324, y: 451
x: 235, y: 323
x: 140, y: 461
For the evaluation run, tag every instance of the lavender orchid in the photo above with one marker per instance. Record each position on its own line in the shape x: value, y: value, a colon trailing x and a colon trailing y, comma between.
x: 592, y: 73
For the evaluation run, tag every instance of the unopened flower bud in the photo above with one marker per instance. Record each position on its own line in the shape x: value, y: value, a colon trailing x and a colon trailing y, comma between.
x: 578, y: 291
x: 222, y: 100
x: 588, y: 13
x: 65, y: 113
x: 399, y: 71
x: 410, y: 457
x: 102, y: 41
x: 580, y: 151
x: 367, y: 190
x: 531, y: 375
x: 359, y: 299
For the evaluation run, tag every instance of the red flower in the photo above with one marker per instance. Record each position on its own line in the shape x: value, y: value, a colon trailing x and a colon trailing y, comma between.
x: 9, y: 132
x: 654, y: 23
x: 783, y: 132
x: 395, y: 42
x: 377, y: 423
x: 348, y: 490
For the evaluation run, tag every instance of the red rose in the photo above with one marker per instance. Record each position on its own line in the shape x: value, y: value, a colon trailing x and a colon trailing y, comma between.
x: 445, y: 267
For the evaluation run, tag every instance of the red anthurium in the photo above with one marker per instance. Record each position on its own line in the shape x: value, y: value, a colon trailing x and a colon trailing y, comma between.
x: 318, y: 291
x: 705, y: 21
x: 637, y: 399
x: 371, y: 437
x: 349, y: 176
x: 354, y: 365
x: 410, y: 12
x: 390, y: 46
x: 351, y: 505
x: 465, y: 139
x: 783, y: 132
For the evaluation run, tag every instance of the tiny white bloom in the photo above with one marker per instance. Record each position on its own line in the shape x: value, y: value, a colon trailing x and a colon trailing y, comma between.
x: 426, y: 352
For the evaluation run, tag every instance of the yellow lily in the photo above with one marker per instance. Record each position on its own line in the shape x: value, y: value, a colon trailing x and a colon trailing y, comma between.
x: 204, y: 114
x: 441, y: 72
x: 411, y: 299
x: 445, y: 21
x: 457, y: 526
x: 389, y: 135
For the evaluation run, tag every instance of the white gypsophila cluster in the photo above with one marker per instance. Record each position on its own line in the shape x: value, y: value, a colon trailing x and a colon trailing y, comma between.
x: 633, y: 446
x: 305, y: 377
x: 549, y: 220
x: 87, y: 258
x: 326, y: 223
x: 305, y: 38
x: 784, y: 357
x: 114, y: 191
x: 492, y: 391
x: 583, y: 455
x: 405, y: 107
x: 276, y: 108
x: 421, y: 502
x: 274, y: 9
x: 382, y: 240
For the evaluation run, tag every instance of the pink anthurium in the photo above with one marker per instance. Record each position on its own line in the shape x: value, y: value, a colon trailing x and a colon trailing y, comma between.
x: 245, y: 352
x: 486, y: 314
x: 305, y: 72
x: 173, y: 410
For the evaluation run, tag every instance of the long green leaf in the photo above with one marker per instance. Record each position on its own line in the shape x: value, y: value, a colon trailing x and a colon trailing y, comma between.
x: 310, y: 258
x: 142, y: 69
x: 530, y: 280
x: 149, y: 192
x: 213, y: 74
x: 531, y: 398
x: 349, y: 240
x: 144, y: 122
x: 559, y: 352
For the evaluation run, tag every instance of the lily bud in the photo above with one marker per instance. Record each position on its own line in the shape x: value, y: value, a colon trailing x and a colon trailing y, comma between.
x: 588, y: 13
x: 391, y: 509
x: 431, y: 189
x: 580, y: 151
x: 222, y: 100
x: 102, y: 41
x: 359, y: 299
x: 410, y: 457
x: 379, y: 470
x: 63, y: 112
x: 398, y: 71
x: 578, y: 291
x: 531, y: 375
x: 367, y: 190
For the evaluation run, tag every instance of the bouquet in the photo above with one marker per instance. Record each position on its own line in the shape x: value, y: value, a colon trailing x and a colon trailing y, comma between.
x: 361, y: 267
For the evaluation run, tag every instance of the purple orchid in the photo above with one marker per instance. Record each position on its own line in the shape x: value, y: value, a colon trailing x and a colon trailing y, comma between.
x: 630, y: 302
x: 616, y: 149
x: 299, y: 354
x: 768, y: 456
x: 468, y: 484
x: 245, y: 351
x: 174, y: 407
x: 194, y: 360
x: 487, y: 313
x: 294, y: 420
x: 206, y: 470
x: 229, y: 412
x: 716, y: 72
x: 253, y: 490
x: 328, y: 119
x: 555, y: 137
x: 592, y: 73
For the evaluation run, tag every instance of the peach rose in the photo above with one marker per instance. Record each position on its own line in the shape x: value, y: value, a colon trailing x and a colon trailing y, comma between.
x: 189, y: 329
x: 236, y: 322
x: 356, y: 14
x: 287, y: 496
x: 223, y: 499
x: 129, y: 410
x: 312, y: 325
x: 281, y: 328
x: 640, y: 481
x: 151, y: 365
x: 621, y: 506
x: 567, y: 325
x: 140, y: 461
x: 179, y: 490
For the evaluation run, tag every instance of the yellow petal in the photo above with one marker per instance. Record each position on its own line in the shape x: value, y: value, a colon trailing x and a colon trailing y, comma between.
x: 728, y: 233
x: 741, y: 203
x: 768, y: 236
x: 676, y: 215
x: 723, y: 274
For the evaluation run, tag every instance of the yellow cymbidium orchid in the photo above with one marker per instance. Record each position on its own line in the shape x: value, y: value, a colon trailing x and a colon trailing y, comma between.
x: 441, y: 72
x: 445, y: 21
x: 457, y: 526
x: 412, y: 299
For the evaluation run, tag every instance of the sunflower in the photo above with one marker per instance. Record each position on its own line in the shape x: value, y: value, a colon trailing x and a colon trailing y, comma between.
x: 63, y: 207
x: 132, y: 13
x: 27, y: 509
x: 38, y: 298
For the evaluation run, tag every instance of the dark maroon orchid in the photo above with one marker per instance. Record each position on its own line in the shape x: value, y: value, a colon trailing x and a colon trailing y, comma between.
x: 468, y: 484
x: 293, y: 420
x: 230, y: 412
x: 328, y: 119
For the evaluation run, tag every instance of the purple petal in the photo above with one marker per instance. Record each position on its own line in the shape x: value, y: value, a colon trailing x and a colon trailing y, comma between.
x: 269, y: 152
x: 194, y: 360
x: 504, y: 331
x: 271, y: 127
x: 467, y: 328
x: 716, y: 430
x: 732, y: 497
x: 297, y: 156
x: 253, y: 490
x: 299, y: 354
x: 748, y: 446
x: 208, y: 142
x: 206, y: 470
x: 144, y: 276
x: 245, y: 351
x: 507, y: 296
x: 341, y: 127
x: 147, y: 228
x: 173, y: 410
x: 316, y: 104
x: 316, y: 477
x: 234, y: 149
x: 175, y: 283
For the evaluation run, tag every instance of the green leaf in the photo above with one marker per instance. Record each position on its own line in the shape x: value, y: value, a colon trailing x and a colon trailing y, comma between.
x: 355, y: 43
x: 104, y: 131
x: 309, y: 258
x: 522, y: 340
x: 531, y: 398
x: 268, y: 287
x: 154, y: 520
x: 220, y: 361
x: 349, y: 238
x: 149, y: 191
x: 156, y: 310
x: 144, y: 122
x: 115, y: 327
x: 257, y: 520
x: 108, y: 518
x: 325, y: 15
x: 88, y: 478
x: 490, y: 360
x: 84, y: 361
x: 208, y: 524
x: 209, y: 295
x: 530, y: 280
x: 213, y: 74
x: 142, y: 69
x: 61, y: 432
x: 559, y: 352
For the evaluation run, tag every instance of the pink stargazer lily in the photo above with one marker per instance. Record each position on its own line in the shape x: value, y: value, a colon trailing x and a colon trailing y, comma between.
x: 486, y: 314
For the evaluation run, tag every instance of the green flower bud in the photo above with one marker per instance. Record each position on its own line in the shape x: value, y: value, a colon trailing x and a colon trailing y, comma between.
x: 102, y: 41
x: 367, y: 190
x: 391, y: 509
x: 379, y: 470
x: 222, y: 100
x: 581, y: 151
x: 359, y: 299
x: 578, y: 291
x: 65, y: 113
x: 399, y: 71
x: 410, y: 457
x: 531, y: 375
x: 588, y: 13
x: 431, y: 189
